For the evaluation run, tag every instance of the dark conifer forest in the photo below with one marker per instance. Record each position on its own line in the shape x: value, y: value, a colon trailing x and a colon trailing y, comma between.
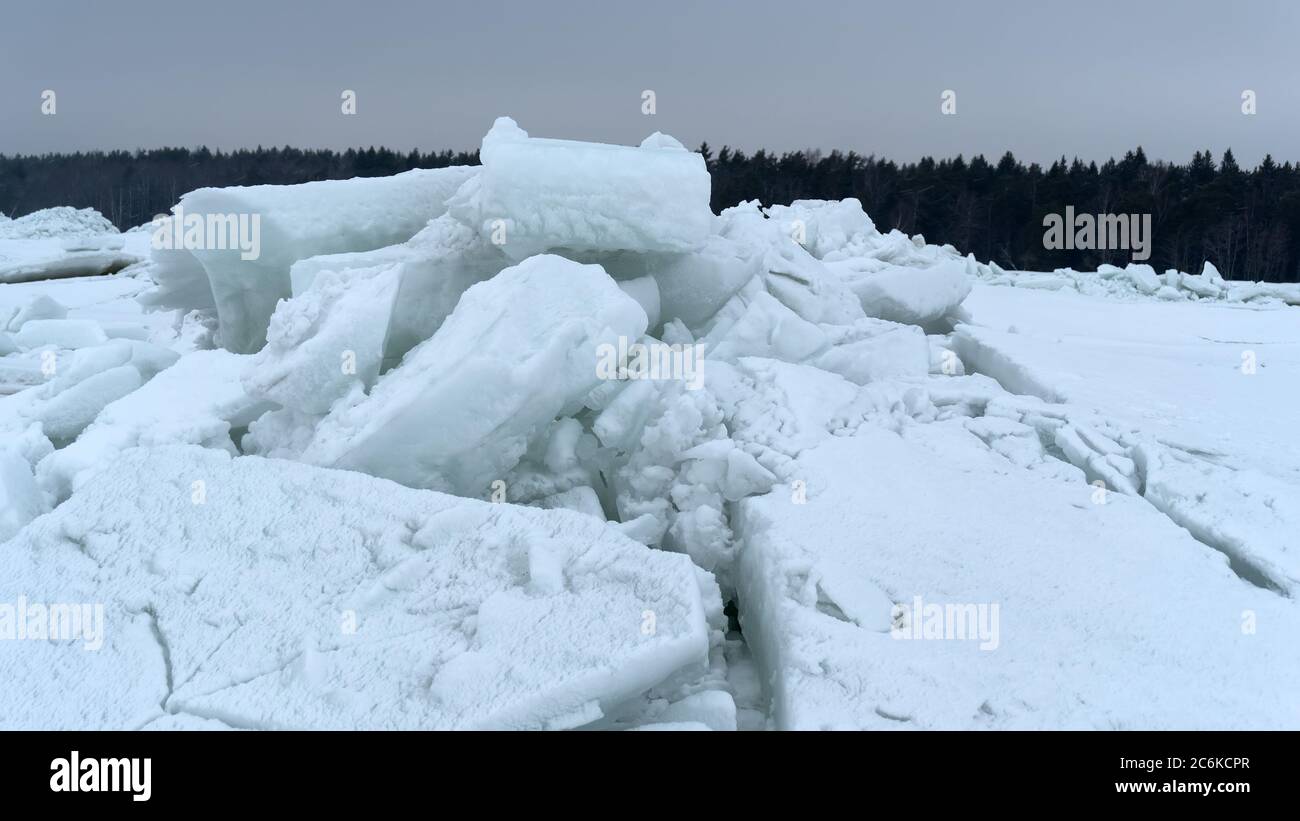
x: 1247, y: 221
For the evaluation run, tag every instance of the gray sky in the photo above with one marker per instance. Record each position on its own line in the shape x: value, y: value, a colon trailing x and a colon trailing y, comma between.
x: 1041, y: 78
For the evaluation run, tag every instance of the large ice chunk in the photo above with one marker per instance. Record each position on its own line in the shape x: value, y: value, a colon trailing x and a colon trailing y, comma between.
x: 354, y: 316
x: 755, y: 323
x: 916, y: 296
x: 179, y: 279
x: 293, y: 222
x: 291, y: 597
x: 433, y: 269
x: 60, y: 333
x: 199, y: 400
x: 40, y: 306
x: 825, y: 227
x: 460, y: 410
x: 326, y: 340
x: 791, y: 274
x: 692, y: 287
x: 536, y: 195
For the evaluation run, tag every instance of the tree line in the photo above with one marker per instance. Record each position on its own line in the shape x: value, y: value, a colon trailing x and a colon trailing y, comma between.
x: 131, y: 188
x: 1247, y: 221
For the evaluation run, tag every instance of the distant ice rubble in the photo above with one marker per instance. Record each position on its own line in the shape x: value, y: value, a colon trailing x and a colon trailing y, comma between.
x: 1139, y: 280
x: 61, y: 242
x: 260, y: 492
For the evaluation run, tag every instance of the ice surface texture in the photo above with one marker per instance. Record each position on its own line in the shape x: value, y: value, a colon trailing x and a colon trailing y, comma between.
x: 266, y: 594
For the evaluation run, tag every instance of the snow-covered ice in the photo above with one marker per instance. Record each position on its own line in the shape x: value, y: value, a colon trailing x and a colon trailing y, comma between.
x: 198, y: 400
x: 61, y: 242
x: 1087, y: 595
x: 1203, y: 395
x: 934, y: 493
x: 911, y: 295
x: 260, y: 593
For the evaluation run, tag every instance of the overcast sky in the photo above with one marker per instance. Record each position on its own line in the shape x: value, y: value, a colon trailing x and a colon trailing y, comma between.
x: 1041, y: 78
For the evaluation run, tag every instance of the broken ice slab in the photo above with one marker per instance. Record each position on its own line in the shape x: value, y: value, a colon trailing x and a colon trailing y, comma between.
x: 199, y: 401
x: 1046, y: 601
x: 755, y: 323
x: 1249, y: 515
x: 997, y: 354
x: 67, y: 334
x: 277, y: 225
x: 433, y: 269
x: 37, y: 260
x: 833, y: 229
x: 536, y: 195
x: 258, y: 593
x: 460, y: 410
x: 20, y: 498
x: 40, y: 306
x: 693, y: 286
x: 79, y: 385
x: 327, y: 340
x: 915, y: 296
x: 353, y: 316
x: 180, y: 282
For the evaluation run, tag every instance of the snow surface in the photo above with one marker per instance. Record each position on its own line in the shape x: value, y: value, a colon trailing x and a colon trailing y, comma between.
x: 249, y: 464
x: 1210, y: 435
x: 1087, y: 596
x: 287, y: 596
